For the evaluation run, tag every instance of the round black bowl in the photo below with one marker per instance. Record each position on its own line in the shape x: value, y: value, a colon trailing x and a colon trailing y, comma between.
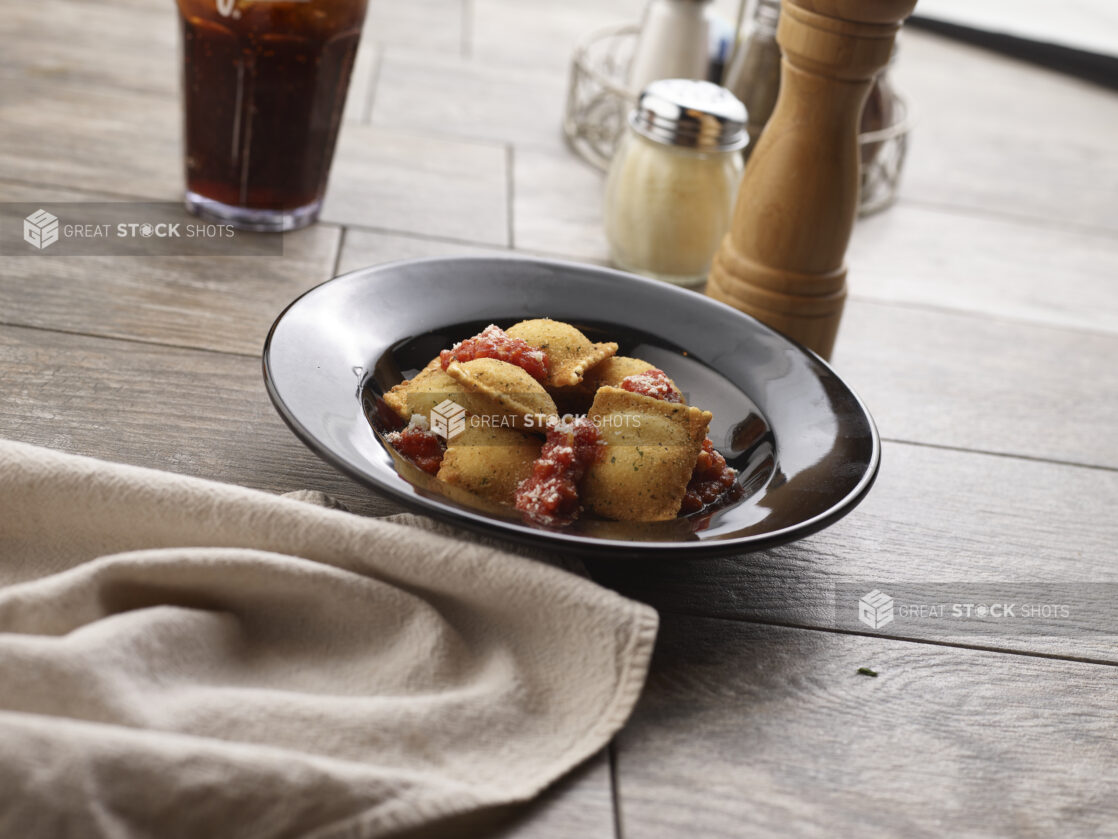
x: 805, y: 446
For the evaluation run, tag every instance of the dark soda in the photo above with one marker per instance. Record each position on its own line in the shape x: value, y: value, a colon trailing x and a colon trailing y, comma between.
x: 264, y: 83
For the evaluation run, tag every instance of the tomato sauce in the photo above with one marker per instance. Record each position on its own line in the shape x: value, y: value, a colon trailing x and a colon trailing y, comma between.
x: 710, y: 480
x: 419, y: 445
x: 654, y: 383
x: 549, y: 496
x: 494, y: 342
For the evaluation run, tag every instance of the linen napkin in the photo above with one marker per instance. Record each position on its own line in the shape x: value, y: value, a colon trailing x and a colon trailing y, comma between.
x: 185, y: 658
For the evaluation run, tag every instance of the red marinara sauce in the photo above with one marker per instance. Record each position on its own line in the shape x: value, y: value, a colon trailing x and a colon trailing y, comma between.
x: 654, y: 383
x: 494, y: 342
x: 710, y: 480
x: 419, y: 445
x: 549, y: 496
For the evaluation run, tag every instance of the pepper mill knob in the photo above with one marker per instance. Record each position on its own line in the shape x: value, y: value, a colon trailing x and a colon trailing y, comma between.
x: 783, y: 260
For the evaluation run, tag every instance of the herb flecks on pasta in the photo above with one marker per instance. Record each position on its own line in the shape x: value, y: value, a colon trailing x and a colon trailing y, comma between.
x: 484, y: 418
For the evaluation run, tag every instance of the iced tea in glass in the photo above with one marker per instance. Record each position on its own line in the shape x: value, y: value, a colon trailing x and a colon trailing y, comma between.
x: 264, y: 85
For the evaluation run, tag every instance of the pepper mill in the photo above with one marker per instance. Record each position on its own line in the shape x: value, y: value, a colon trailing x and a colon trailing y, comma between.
x: 783, y: 260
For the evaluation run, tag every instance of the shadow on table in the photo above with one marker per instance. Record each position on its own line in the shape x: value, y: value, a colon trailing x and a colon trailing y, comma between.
x: 784, y: 585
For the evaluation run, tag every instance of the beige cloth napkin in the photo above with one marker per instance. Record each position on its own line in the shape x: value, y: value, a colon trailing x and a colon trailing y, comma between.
x: 186, y: 658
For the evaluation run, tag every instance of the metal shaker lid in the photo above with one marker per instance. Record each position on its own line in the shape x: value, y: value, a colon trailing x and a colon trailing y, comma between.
x: 690, y: 113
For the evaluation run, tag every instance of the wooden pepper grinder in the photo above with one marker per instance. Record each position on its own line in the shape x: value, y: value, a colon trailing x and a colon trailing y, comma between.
x: 783, y: 260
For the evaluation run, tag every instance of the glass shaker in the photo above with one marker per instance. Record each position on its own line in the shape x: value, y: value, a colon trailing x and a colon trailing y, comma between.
x: 754, y: 72
x: 674, y: 42
x: 673, y: 179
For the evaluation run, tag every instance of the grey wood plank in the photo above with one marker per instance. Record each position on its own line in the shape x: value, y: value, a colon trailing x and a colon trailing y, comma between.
x: 530, y: 36
x: 1085, y: 25
x: 68, y: 41
x: 989, y: 264
x: 980, y: 383
x: 746, y: 730
x: 947, y: 520
x: 370, y: 247
x: 128, y: 144
x: 197, y: 413
x: 362, y: 82
x: 578, y: 806
x: 433, y: 27
x: 998, y: 134
x: 419, y: 183
x: 472, y: 99
x: 90, y: 137
x: 206, y: 414
x: 126, y: 4
x: 949, y: 379
x: 937, y: 516
x: 65, y: 42
x: 512, y: 32
x: 363, y: 248
x: 557, y: 205
x: 218, y: 302
x: 928, y: 376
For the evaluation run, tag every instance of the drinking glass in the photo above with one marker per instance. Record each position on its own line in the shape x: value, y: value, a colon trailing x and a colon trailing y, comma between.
x: 264, y: 85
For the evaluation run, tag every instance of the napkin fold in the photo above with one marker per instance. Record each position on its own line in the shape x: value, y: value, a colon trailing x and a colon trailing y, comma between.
x: 185, y: 658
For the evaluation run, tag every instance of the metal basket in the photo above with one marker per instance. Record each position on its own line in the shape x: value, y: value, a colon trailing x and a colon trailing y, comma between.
x: 882, y: 175
x: 599, y: 101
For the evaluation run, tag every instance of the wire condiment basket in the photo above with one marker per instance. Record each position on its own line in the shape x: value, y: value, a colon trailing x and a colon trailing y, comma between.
x: 599, y: 101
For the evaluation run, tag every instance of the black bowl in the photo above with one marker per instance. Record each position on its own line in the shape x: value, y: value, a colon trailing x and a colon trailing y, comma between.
x: 806, y: 448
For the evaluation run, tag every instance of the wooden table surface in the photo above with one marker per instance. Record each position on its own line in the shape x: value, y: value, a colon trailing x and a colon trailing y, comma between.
x: 982, y: 330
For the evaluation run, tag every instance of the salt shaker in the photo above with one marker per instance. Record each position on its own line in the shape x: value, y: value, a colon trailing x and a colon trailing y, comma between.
x: 673, y: 180
x: 674, y: 42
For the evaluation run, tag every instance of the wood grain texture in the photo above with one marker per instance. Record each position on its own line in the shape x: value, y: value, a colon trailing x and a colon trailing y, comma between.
x: 67, y: 41
x: 433, y: 27
x: 515, y: 33
x: 982, y: 317
x: 362, y: 82
x: 933, y: 517
x: 122, y: 4
x: 419, y: 183
x: 218, y: 303
x: 578, y: 806
x: 1000, y: 135
x: 197, y: 413
x: 747, y: 730
x: 944, y: 379
x: 557, y: 205
x: 992, y: 265
x: 90, y: 137
x: 128, y: 144
x: 471, y: 99
x: 363, y: 248
x: 983, y: 383
x: 206, y: 414
x: 951, y: 380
